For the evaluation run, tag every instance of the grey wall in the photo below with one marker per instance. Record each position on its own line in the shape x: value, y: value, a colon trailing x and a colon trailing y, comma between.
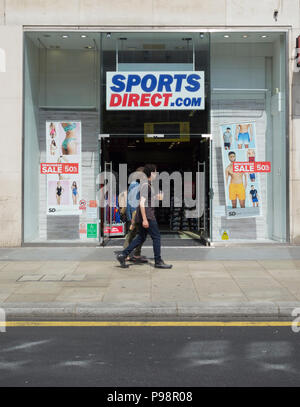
x: 69, y: 78
x: 153, y: 13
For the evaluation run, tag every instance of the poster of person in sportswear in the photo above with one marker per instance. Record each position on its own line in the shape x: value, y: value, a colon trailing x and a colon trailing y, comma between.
x: 63, y: 150
x: 242, y: 189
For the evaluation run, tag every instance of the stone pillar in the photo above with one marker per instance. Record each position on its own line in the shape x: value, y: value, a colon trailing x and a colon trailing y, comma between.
x: 11, y: 57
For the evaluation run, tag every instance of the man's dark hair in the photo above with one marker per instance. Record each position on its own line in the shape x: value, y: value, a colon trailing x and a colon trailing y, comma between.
x: 231, y: 152
x: 148, y: 169
x: 228, y: 128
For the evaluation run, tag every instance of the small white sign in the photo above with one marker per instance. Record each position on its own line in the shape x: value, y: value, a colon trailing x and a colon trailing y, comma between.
x: 91, y: 213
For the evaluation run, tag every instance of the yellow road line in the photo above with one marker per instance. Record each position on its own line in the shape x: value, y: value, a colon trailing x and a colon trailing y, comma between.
x: 142, y: 323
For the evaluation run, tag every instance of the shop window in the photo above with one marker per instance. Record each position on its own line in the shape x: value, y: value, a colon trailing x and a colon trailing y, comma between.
x: 62, y: 124
x: 248, y: 114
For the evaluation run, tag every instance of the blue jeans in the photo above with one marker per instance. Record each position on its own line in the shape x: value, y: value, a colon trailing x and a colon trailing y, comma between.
x: 142, y: 235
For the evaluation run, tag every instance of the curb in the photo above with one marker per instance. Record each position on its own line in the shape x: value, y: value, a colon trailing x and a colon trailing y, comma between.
x: 143, y: 310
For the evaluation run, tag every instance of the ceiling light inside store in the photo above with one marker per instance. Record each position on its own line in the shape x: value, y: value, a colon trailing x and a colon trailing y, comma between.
x: 245, y: 36
x: 89, y: 47
x: 264, y: 36
x: 83, y: 36
x: 65, y: 36
x: 226, y: 36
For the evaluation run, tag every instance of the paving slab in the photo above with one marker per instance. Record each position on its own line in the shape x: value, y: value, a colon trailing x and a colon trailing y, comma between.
x: 242, y: 265
x: 30, y: 298
x: 136, y: 289
x: 285, y: 274
x: 58, y: 267
x: 206, y: 265
x: 249, y: 274
x: 79, y: 294
x: 30, y: 277
x: 4, y: 296
x: 53, y: 277
x: 92, y: 266
x: 218, y: 290
x: 89, y: 282
x: 74, y: 277
x: 269, y: 294
x: 179, y: 289
x: 293, y: 288
x: 2, y: 265
x: 279, y: 264
x: 211, y: 274
x: 23, y: 266
x: 38, y: 288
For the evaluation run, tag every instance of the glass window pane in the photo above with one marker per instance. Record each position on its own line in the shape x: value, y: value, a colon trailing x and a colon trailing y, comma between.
x: 248, y: 82
x: 62, y: 123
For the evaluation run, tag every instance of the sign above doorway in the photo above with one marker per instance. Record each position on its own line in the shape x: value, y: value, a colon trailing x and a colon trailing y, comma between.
x: 155, y: 90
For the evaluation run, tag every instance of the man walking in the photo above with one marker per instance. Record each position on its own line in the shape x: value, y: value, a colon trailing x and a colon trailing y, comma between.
x: 145, y: 217
x: 133, y: 198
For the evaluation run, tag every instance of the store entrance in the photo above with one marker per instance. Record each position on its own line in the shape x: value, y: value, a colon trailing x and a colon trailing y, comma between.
x: 185, y: 221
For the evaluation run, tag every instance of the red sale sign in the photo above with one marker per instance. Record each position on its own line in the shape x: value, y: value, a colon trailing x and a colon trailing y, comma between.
x: 263, y: 166
x: 252, y: 167
x: 114, y: 230
x: 62, y: 168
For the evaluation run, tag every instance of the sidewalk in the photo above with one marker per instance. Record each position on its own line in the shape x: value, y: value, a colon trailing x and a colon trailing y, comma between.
x: 42, y: 285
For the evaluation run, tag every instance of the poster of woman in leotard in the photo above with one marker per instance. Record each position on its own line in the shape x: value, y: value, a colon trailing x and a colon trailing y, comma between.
x: 63, y: 150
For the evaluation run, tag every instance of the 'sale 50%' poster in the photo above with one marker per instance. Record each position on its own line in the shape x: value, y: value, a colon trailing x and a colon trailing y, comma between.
x: 63, y: 167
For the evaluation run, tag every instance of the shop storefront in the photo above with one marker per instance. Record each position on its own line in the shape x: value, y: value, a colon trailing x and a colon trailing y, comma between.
x: 233, y: 133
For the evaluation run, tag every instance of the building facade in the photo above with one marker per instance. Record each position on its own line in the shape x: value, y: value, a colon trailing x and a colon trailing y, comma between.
x: 57, y: 62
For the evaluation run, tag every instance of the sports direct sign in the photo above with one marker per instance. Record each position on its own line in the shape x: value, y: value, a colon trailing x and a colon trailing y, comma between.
x: 155, y: 90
